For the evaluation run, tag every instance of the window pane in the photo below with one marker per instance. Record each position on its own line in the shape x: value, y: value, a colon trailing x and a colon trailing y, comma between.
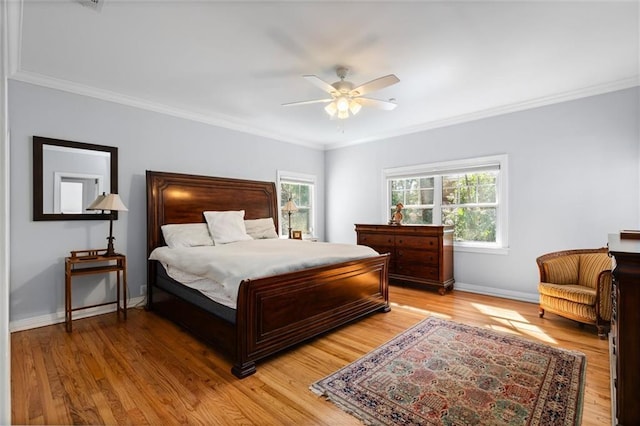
x: 417, y: 216
x: 472, y: 223
x: 449, y: 190
x: 71, y: 197
x: 426, y: 196
x: 397, y: 197
x: 302, y: 195
x: 413, y: 197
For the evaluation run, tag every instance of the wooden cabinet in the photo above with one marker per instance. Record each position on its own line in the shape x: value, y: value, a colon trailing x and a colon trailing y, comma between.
x: 420, y: 254
x: 624, y: 337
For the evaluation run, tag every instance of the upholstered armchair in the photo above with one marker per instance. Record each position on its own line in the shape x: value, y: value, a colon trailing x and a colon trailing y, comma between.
x: 576, y: 284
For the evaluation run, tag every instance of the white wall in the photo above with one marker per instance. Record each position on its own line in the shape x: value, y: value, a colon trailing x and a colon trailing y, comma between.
x: 5, y: 340
x: 573, y: 178
x: 145, y: 141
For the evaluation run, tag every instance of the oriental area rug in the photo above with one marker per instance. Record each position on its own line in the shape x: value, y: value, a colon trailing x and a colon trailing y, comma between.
x: 441, y: 372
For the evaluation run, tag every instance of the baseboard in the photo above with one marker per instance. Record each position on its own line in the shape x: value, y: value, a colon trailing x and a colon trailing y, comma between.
x: 498, y: 292
x: 58, y: 317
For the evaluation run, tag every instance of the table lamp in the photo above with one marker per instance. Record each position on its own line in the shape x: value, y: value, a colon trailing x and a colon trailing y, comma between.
x: 111, y: 202
x: 290, y: 208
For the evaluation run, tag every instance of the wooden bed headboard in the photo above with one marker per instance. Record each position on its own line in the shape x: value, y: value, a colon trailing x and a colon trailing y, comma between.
x: 182, y: 198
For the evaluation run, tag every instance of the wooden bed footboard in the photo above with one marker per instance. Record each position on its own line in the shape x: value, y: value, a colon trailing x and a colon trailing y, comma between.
x: 278, y: 312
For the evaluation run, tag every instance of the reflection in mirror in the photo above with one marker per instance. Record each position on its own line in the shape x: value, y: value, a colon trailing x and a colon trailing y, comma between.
x: 68, y: 176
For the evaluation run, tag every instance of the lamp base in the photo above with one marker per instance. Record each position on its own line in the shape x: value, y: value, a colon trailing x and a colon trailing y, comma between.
x: 110, y: 250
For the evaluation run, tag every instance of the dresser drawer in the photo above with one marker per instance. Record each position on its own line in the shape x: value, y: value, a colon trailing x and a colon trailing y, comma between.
x: 377, y: 240
x: 417, y: 271
x: 427, y: 258
x: 424, y: 243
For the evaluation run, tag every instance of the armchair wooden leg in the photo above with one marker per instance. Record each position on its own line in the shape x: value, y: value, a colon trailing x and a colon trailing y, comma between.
x: 603, y: 328
x: 602, y: 331
x: 540, y: 311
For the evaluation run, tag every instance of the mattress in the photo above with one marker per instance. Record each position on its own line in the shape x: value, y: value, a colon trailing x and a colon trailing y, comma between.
x: 217, y: 271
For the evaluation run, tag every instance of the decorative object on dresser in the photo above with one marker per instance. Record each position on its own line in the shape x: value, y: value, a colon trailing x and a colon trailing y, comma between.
x: 297, y: 235
x: 576, y: 284
x: 88, y: 262
x: 112, y: 203
x: 396, y: 219
x: 270, y: 313
x: 624, y: 338
x: 441, y: 372
x: 289, y: 209
x: 420, y: 254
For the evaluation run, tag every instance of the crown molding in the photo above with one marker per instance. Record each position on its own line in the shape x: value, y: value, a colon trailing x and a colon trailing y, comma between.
x: 504, y: 109
x: 106, y: 95
x: 230, y: 123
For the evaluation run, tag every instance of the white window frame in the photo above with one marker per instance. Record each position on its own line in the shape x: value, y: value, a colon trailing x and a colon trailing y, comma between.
x: 451, y: 167
x: 297, y: 177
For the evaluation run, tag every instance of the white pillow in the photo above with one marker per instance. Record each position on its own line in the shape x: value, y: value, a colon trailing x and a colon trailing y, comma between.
x: 261, y: 228
x: 186, y: 235
x: 226, y: 227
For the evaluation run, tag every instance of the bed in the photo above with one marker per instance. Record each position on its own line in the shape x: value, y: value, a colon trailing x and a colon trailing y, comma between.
x: 272, y: 313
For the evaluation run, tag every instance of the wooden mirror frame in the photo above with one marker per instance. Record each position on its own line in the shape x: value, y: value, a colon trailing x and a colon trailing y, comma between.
x: 38, y: 190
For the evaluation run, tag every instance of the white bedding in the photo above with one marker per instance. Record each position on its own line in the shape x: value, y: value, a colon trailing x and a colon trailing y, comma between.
x: 217, y: 271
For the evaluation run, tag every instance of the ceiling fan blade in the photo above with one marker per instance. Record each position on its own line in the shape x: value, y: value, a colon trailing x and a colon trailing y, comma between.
x: 377, y: 103
x: 317, y: 81
x: 377, y: 84
x: 315, y: 101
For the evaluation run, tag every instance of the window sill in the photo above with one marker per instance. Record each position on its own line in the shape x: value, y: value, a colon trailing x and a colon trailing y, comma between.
x: 479, y: 249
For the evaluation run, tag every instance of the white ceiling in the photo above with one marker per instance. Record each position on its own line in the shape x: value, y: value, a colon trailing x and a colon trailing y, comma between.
x: 233, y: 64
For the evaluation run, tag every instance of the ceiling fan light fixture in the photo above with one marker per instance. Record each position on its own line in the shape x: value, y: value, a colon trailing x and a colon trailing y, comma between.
x: 331, y: 109
x: 343, y: 114
x: 343, y: 104
x: 354, y: 107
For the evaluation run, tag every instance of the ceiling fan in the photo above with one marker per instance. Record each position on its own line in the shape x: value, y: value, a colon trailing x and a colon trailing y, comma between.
x: 345, y: 97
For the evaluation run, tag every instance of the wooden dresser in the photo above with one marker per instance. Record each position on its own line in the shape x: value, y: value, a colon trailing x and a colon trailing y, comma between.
x: 420, y: 254
x: 624, y: 338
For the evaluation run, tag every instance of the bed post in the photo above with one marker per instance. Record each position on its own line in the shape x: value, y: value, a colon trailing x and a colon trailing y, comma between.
x: 242, y: 366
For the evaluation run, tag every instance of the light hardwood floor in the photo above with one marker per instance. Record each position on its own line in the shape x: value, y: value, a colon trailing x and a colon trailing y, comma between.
x: 148, y: 371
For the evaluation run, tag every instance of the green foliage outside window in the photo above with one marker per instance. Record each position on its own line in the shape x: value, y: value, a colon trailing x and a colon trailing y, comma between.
x: 301, y: 194
x: 469, y: 203
x: 416, y: 194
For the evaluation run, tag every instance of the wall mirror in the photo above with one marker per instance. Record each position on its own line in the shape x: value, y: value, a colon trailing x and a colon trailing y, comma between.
x: 68, y: 176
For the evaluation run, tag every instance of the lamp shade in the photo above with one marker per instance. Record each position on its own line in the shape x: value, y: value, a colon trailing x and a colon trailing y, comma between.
x: 290, y: 207
x: 97, y: 201
x: 108, y: 202
x: 331, y: 109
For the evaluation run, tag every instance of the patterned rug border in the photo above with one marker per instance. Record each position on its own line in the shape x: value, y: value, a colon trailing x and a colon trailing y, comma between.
x: 320, y: 388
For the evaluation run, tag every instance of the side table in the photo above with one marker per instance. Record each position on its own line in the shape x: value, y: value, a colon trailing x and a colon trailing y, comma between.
x: 87, y: 262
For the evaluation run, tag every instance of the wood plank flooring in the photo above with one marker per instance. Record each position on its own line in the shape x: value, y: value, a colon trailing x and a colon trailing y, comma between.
x: 148, y: 371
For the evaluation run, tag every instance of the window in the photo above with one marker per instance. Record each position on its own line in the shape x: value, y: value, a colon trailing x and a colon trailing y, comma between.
x: 73, y: 192
x: 469, y: 194
x: 300, y: 189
